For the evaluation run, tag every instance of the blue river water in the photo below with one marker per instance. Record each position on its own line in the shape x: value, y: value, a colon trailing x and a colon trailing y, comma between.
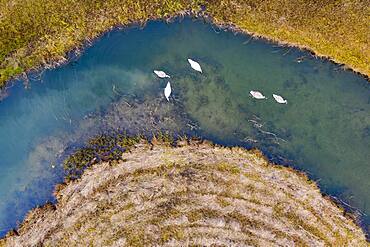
x: 324, y: 129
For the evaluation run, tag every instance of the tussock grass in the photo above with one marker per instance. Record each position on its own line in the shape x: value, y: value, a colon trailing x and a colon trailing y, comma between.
x: 36, y: 33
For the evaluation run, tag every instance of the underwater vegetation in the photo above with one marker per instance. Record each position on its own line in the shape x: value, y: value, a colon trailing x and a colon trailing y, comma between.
x: 112, y: 86
x: 101, y: 148
x: 190, y: 193
x: 108, y: 147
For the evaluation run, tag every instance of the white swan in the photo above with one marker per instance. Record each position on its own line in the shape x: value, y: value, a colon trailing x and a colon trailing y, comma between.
x: 161, y: 74
x: 257, y: 95
x: 167, y: 91
x: 195, y: 65
x: 279, y: 99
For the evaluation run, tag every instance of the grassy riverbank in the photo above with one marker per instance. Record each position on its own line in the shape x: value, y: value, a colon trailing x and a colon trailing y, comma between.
x: 194, y: 193
x: 335, y: 29
x: 37, y: 33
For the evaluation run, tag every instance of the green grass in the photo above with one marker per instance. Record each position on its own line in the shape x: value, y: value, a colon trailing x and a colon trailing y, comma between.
x: 35, y: 33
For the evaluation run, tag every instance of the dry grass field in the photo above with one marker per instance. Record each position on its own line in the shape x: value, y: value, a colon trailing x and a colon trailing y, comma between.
x: 192, y: 194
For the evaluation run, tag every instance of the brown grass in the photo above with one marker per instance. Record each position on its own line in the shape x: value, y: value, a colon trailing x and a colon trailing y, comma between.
x: 36, y: 33
x: 196, y: 194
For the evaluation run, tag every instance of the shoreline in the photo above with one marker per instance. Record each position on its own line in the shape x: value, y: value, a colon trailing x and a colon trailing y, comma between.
x: 75, y: 53
x: 74, y: 173
x: 156, y: 144
x: 202, y: 14
x: 271, y: 40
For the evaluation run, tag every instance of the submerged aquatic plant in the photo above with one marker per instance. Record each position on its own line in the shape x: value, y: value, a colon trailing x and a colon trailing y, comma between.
x: 105, y: 147
x: 109, y: 147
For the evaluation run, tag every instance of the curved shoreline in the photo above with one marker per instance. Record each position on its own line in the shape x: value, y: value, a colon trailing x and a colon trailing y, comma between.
x: 146, y: 156
x: 227, y: 26
x: 130, y: 144
x: 75, y: 53
x: 270, y: 39
x: 184, y: 9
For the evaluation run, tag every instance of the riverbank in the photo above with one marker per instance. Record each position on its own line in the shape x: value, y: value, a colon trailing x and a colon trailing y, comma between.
x: 39, y: 33
x: 192, y: 193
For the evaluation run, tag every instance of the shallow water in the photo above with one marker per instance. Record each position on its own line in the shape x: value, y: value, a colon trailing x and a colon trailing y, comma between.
x: 323, y: 130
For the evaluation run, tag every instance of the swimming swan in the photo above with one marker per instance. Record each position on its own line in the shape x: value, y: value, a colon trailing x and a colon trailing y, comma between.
x: 161, y: 74
x: 257, y: 95
x: 195, y: 65
x: 167, y: 91
x: 279, y: 99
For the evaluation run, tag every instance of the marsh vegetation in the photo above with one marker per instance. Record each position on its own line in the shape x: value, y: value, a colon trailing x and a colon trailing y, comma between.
x: 194, y: 193
x: 324, y: 128
x: 36, y: 33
